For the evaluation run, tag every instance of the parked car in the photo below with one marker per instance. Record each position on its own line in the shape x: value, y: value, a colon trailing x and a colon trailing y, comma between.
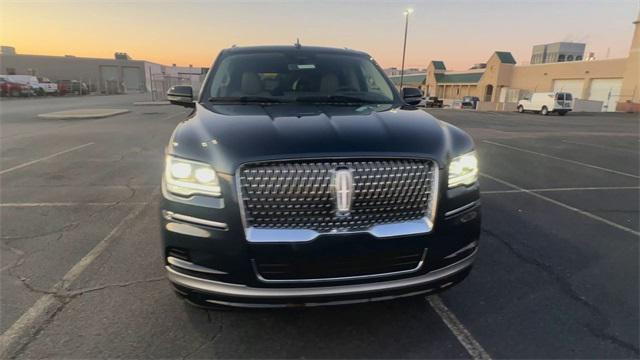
x: 548, y: 102
x: 38, y: 86
x: 431, y: 102
x: 302, y: 178
x: 11, y: 88
x: 47, y: 86
x: 469, y: 102
x: 72, y: 87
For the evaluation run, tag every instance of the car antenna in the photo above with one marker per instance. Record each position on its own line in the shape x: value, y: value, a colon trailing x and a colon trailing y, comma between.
x: 297, y: 44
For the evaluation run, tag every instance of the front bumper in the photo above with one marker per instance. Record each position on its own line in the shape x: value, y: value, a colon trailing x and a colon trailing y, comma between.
x: 219, y: 264
x: 215, y: 292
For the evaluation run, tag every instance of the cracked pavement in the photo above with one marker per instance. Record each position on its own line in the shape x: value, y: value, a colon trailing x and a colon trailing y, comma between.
x: 548, y: 282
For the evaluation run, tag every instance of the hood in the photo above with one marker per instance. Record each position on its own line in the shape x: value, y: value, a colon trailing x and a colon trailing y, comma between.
x: 230, y: 135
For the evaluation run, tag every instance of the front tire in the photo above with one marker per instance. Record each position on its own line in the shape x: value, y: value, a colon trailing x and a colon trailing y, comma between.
x: 544, y: 111
x: 520, y: 109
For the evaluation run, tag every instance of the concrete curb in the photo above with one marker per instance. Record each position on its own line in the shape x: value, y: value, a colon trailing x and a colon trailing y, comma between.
x: 83, y: 114
x: 151, y: 103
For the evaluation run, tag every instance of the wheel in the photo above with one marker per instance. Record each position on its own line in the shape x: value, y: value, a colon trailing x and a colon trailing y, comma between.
x: 562, y: 113
x: 40, y: 92
x: 14, y: 93
x: 520, y: 109
x: 544, y: 111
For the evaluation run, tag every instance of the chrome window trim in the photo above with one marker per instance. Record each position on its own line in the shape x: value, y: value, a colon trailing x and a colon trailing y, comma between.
x: 342, y: 278
x: 239, y: 290
x: 415, y: 227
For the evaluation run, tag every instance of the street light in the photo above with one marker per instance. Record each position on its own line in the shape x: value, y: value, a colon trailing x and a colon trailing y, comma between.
x: 404, y: 48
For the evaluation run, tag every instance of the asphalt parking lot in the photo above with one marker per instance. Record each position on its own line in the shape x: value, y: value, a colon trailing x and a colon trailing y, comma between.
x: 81, y: 273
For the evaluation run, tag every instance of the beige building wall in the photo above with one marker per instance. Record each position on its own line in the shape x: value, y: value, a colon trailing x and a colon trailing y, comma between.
x: 496, y: 76
x: 630, y: 92
x: 540, y: 77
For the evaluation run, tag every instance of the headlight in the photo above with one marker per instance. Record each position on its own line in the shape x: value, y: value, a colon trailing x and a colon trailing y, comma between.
x: 186, y: 177
x: 463, y: 170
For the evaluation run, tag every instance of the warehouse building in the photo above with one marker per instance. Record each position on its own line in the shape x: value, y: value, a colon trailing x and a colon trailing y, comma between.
x: 107, y: 76
x: 598, y: 85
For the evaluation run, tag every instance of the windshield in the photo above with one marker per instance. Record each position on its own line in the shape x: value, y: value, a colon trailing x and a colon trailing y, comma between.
x: 299, y: 77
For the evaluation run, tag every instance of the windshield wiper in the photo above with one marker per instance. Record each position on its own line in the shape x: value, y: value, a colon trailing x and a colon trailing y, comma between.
x: 339, y: 99
x: 246, y: 100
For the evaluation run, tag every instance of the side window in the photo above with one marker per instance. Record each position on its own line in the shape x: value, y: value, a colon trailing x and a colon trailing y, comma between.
x: 560, y: 97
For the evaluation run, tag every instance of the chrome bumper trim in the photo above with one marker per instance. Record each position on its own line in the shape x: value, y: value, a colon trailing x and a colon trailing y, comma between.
x: 315, y: 304
x: 468, y: 247
x: 220, y: 288
x: 344, y: 278
x: 192, y: 267
x: 413, y: 227
x: 462, y: 208
x: 170, y: 215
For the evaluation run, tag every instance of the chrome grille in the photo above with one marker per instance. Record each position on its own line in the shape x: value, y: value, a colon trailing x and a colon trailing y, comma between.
x: 298, y: 194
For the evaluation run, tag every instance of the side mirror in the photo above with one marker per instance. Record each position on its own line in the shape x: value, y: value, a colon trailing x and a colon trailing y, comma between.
x: 411, y: 96
x: 181, y: 95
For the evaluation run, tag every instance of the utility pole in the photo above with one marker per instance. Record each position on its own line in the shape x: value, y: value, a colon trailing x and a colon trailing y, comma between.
x: 404, y: 47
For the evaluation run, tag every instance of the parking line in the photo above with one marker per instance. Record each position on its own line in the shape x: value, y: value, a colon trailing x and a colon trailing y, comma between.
x: 562, y: 159
x: 599, y: 146
x: 44, y: 158
x: 49, y: 304
x: 489, y: 192
x: 69, y: 204
x: 569, y: 207
x: 473, y: 347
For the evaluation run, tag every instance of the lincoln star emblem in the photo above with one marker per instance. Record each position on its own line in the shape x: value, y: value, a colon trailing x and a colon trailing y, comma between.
x: 343, y: 191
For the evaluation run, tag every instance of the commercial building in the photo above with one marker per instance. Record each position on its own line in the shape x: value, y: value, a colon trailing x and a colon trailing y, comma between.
x: 605, y: 85
x: 159, y: 78
x: 557, y: 52
x: 394, y: 71
x: 107, y: 76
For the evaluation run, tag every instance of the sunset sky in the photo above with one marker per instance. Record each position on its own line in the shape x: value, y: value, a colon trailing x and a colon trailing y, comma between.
x: 459, y: 32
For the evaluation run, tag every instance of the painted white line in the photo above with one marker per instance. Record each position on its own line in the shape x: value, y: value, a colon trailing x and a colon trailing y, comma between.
x: 473, y: 347
x: 562, y: 159
x: 29, y: 323
x: 600, y: 146
x: 489, y: 192
x: 70, y: 204
x: 44, y: 158
x: 569, y: 207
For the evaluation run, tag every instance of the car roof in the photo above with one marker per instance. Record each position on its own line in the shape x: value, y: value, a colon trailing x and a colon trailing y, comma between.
x: 291, y: 48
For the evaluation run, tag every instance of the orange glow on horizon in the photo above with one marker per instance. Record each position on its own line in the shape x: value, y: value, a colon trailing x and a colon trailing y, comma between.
x: 182, y: 33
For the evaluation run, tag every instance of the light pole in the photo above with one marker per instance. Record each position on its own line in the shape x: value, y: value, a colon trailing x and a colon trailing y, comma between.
x: 404, y: 47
